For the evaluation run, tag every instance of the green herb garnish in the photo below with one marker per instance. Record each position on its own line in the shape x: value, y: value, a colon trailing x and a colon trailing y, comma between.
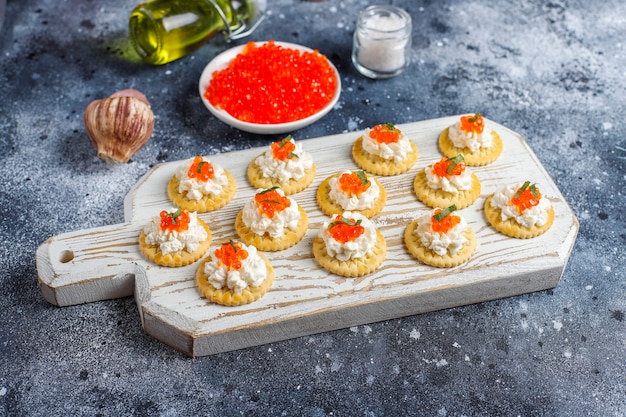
x: 444, y: 213
x: 362, y: 177
x: 175, y: 215
x: 269, y: 189
x: 522, y: 189
x: 343, y: 220
x: 454, y: 162
x: 199, y: 169
x: 284, y: 141
x: 232, y: 243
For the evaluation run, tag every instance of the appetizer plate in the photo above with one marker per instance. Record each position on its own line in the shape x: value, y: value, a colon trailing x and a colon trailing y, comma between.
x: 105, y: 262
x: 222, y: 61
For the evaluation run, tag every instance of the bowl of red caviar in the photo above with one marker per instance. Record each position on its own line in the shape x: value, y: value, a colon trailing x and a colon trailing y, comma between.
x: 269, y: 87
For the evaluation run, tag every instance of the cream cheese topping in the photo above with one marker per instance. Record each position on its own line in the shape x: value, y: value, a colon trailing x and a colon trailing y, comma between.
x: 252, y: 273
x: 440, y: 243
x: 290, y: 168
x: 174, y: 241
x: 363, y: 201
x: 450, y: 183
x: 397, y: 151
x: 198, y: 189
x: 473, y: 141
x: 260, y: 224
x: 533, y: 216
x: 351, y: 249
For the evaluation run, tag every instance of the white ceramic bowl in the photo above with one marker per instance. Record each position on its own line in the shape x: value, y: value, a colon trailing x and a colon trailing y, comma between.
x: 222, y: 61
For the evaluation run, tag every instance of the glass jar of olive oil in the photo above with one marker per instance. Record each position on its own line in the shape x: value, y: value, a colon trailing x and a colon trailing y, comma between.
x: 162, y: 31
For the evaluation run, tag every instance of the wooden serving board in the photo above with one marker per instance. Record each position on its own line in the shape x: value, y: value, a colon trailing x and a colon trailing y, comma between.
x: 105, y: 262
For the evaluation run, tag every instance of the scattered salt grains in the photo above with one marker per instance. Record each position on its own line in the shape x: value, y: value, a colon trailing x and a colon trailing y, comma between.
x: 415, y: 334
x: 589, y: 287
x: 557, y: 325
x: 3, y: 391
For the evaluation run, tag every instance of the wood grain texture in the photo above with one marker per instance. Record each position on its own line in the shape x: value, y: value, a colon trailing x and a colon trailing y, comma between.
x: 105, y: 263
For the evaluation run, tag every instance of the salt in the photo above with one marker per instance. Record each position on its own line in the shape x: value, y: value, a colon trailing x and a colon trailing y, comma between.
x: 382, y: 41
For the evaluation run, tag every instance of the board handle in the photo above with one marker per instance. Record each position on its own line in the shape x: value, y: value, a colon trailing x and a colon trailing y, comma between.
x: 89, y: 265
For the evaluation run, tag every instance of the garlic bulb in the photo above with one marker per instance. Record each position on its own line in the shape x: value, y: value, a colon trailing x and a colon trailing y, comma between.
x: 119, y: 125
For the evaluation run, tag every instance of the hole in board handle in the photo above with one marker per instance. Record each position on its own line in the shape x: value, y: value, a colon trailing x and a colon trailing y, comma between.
x: 66, y: 256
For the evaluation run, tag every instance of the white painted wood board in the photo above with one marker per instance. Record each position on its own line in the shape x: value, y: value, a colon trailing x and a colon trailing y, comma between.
x: 105, y: 262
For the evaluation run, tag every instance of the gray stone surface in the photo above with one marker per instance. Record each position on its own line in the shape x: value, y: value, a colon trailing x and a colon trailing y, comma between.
x: 553, y: 71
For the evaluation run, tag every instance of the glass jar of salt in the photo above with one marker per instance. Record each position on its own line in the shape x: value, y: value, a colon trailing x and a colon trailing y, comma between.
x: 382, y: 41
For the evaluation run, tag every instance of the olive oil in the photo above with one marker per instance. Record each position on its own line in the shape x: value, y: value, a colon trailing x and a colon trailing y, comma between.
x: 162, y: 31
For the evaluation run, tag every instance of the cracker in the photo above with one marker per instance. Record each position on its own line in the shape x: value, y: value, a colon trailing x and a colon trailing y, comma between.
x: 228, y: 297
x: 330, y: 208
x: 428, y: 257
x: 292, y: 186
x: 207, y: 202
x: 481, y: 157
x: 512, y: 228
x: 376, y: 165
x: 440, y: 198
x: 353, y: 267
x: 175, y: 259
x: 268, y: 243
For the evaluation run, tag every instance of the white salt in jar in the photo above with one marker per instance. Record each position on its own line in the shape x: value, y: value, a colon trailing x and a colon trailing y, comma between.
x: 382, y: 41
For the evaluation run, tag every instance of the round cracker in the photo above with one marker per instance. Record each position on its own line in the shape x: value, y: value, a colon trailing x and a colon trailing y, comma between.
x: 376, y: 165
x: 330, y: 208
x: 481, y: 157
x: 292, y: 186
x: 266, y: 242
x: 175, y: 259
x: 440, y: 198
x: 353, y: 267
x: 428, y: 257
x: 228, y: 297
x: 207, y: 202
x: 511, y: 227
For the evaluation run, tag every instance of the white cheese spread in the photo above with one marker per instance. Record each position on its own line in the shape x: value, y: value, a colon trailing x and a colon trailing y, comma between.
x: 275, y: 227
x: 441, y: 243
x: 174, y: 241
x: 533, y: 216
x: 283, y: 171
x: 252, y: 273
x: 397, y: 151
x: 195, y: 189
x: 357, y: 248
x: 362, y: 201
x: 473, y: 141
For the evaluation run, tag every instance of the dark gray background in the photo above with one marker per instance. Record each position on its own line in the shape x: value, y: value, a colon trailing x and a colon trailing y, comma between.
x: 554, y: 71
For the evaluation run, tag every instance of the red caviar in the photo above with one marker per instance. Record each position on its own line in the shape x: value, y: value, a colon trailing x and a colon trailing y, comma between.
x: 449, y: 166
x: 271, y: 84
x: 270, y: 202
x: 345, y: 230
x: 283, y: 149
x: 473, y: 124
x: 200, y: 169
x: 231, y: 254
x: 527, y: 196
x: 177, y: 221
x: 353, y: 183
x: 443, y: 224
x: 385, y: 133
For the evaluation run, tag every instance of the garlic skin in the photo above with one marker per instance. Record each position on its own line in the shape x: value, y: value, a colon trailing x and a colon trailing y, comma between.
x: 119, y: 125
